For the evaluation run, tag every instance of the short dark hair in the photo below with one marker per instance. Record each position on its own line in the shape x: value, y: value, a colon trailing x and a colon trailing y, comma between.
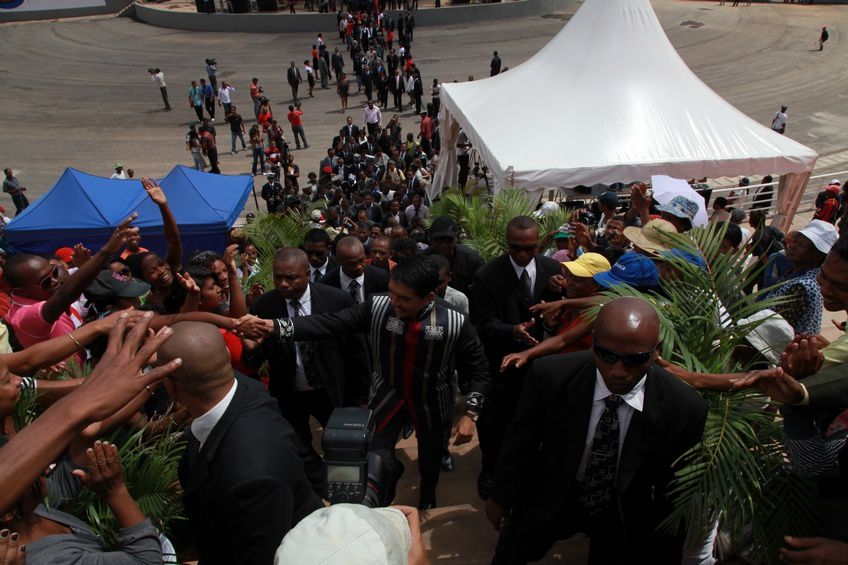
x: 757, y: 217
x: 404, y: 244
x: 841, y: 247
x: 200, y: 274
x: 721, y: 201
x: 317, y: 235
x: 12, y: 269
x: 440, y: 261
x: 733, y: 233
x: 419, y: 272
x: 521, y: 223
x: 205, y: 259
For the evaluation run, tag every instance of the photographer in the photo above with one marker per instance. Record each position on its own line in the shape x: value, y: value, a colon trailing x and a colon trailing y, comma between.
x: 418, y: 340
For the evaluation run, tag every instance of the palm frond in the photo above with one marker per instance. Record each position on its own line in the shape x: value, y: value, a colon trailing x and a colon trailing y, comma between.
x: 270, y: 232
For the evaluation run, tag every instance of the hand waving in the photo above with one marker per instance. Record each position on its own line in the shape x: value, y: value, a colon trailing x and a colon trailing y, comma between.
x: 154, y: 191
x: 121, y: 234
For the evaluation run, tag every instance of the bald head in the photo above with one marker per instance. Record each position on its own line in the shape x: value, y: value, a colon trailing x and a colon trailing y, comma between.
x: 350, y: 253
x: 292, y: 255
x: 206, y: 361
x: 626, y: 334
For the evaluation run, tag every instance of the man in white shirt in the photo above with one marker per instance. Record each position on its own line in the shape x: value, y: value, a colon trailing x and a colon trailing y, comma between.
x: 594, y: 445
x: 119, y: 172
x: 225, y: 96
x: 417, y: 209
x: 778, y: 124
x: 372, y: 117
x: 157, y: 76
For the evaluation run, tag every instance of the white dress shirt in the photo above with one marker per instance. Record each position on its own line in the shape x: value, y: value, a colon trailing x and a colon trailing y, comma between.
x: 300, y: 382
x: 202, y: 426
x: 346, y: 280
x: 633, y: 400
x: 372, y: 115
x: 530, y: 268
x: 322, y: 269
x: 225, y: 94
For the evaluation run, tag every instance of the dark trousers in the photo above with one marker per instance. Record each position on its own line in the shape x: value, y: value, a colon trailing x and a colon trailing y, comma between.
x: 199, y: 111
x: 210, y: 106
x: 258, y: 158
x: 495, y: 418
x: 20, y: 201
x: 463, y: 161
x: 294, y: 87
x: 212, y: 155
x: 430, y: 444
x: 164, y: 91
x: 297, y: 407
x: 398, y: 94
x: 213, y: 80
x: 417, y: 103
x: 519, y: 543
x: 299, y: 134
x: 373, y: 128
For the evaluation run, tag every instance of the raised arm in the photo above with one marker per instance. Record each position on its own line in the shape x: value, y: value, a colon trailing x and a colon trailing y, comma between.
x: 174, y: 255
x: 115, y: 381
x: 70, y: 291
x: 238, y: 305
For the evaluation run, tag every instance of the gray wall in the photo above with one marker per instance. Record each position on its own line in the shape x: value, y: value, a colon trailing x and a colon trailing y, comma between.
x: 281, y: 22
x: 111, y: 7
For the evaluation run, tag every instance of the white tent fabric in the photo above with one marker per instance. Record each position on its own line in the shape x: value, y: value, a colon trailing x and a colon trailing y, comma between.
x: 608, y: 99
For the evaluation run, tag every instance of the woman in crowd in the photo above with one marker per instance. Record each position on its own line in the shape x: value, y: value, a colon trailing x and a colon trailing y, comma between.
x: 800, y: 291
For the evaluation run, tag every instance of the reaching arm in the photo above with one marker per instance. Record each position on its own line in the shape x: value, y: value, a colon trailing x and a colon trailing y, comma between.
x: 115, y: 381
x: 238, y: 305
x: 554, y: 344
x: 174, y: 256
x: 70, y: 291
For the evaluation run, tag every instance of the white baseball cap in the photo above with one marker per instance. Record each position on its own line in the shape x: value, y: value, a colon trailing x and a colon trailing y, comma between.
x: 822, y: 234
x: 347, y: 533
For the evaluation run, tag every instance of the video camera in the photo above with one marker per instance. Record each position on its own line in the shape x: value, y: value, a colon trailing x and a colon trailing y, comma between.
x: 353, y: 473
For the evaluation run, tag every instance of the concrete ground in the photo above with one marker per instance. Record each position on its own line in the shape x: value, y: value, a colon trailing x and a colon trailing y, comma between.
x: 76, y: 93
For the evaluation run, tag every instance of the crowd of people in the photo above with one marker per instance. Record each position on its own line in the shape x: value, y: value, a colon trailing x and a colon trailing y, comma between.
x: 581, y: 423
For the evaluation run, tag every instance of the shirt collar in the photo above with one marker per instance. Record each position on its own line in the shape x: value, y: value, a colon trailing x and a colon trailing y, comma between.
x: 304, y: 298
x: 530, y: 267
x: 635, y: 398
x: 201, y: 427
x: 345, y: 280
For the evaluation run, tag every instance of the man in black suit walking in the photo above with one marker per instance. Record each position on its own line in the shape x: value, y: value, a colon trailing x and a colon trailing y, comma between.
x: 316, y: 244
x: 353, y: 275
x: 294, y: 79
x: 244, y: 487
x: 592, y: 447
x: 305, y: 382
x: 504, y: 290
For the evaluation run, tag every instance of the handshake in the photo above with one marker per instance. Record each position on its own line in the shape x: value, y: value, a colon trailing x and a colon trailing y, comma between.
x: 251, y: 327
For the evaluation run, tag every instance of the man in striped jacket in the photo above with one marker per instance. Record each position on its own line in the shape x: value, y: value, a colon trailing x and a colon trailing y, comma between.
x: 416, y: 340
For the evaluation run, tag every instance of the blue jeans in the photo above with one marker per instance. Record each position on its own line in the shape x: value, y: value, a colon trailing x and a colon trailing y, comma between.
x: 258, y: 157
x: 240, y: 136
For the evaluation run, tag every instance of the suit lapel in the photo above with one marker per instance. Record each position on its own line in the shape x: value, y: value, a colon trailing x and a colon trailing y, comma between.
x: 542, y: 276
x: 200, y: 473
x: 646, y: 429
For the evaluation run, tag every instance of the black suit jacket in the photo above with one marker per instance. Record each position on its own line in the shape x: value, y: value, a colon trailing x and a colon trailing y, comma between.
x: 346, y: 373
x: 376, y: 280
x: 544, y: 444
x: 331, y: 264
x: 497, y: 305
x: 247, y: 487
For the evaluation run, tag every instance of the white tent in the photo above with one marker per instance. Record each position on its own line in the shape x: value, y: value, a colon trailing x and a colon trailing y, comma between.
x: 608, y: 99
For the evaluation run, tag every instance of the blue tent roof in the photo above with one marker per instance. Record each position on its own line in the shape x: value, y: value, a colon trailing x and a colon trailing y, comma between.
x: 83, y: 208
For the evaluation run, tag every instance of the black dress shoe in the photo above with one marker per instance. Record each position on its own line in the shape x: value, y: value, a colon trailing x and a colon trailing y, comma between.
x: 484, y: 485
x: 447, y: 463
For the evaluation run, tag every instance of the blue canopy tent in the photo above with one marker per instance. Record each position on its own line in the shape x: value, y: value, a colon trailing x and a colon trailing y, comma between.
x: 83, y: 208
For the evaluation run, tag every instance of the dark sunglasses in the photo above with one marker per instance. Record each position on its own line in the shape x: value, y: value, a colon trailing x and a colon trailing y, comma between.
x: 315, y: 252
x: 628, y: 359
x: 519, y: 248
x: 48, y: 279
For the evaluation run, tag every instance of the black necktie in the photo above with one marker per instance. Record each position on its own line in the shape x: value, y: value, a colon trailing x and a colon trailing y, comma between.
x: 354, y: 290
x: 189, y: 457
x: 527, y: 287
x: 599, y: 479
x: 316, y: 275
x: 306, y: 352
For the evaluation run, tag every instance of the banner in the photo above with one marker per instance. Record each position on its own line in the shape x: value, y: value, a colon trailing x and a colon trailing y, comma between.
x: 44, y: 5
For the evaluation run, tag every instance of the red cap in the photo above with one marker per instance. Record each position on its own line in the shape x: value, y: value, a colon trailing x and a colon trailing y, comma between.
x: 66, y: 254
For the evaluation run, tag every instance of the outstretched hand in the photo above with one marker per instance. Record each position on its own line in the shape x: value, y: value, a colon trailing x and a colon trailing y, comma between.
x: 121, y: 234
x: 774, y: 383
x: 104, y: 471
x: 118, y: 379
x: 154, y: 191
x: 188, y: 283
x: 251, y: 327
x: 516, y: 360
x: 521, y: 333
x: 801, y: 358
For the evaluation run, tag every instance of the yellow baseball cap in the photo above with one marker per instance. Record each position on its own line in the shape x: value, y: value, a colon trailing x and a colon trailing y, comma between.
x: 588, y: 265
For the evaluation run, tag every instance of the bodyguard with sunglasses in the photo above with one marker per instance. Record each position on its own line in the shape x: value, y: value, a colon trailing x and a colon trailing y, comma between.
x: 593, y: 445
x: 504, y: 290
